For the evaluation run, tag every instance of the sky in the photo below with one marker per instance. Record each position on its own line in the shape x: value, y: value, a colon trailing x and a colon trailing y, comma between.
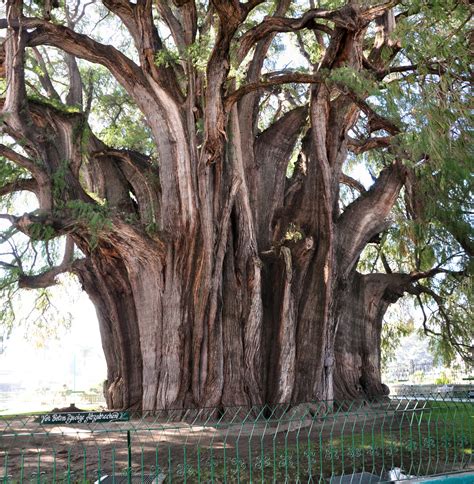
x: 34, y: 370
x: 34, y: 364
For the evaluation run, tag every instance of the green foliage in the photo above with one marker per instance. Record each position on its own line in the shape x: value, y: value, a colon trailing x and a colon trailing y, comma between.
x: 7, y: 305
x: 432, y: 221
x: 197, y: 53
x: 312, y: 48
x: 10, y: 172
x: 58, y: 182
x: 45, y: 320
x: 452, y: 320
x: 443, y: 379
x: 116, y: 118
x: 151, y: 228
x: 40, y: 231
x: 356, y: 81
x: 95, y: 217
x: 397, y: 325
x: 48, y: 101
x: 166, y: 58
x: 34, y: 311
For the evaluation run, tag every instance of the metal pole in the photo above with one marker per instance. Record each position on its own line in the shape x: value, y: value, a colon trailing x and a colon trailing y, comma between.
x: 129, y: 470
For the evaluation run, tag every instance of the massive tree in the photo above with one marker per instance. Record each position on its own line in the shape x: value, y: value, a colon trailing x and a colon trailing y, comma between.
x: 201, y: 189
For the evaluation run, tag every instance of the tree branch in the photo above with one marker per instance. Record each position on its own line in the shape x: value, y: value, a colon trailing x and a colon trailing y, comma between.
x: 138, y: 18
x: 20, y: 160
x: 376, y: 121
x: 79, y: 45
x: 45, y: 220
x: 361, y: 146
x: 231, y: 14
x: 14, y: 46
x: 44, y: 78
x: 22, y: 184
x: 271, y: 80
x: 465, y: 350
x: 273, y: 148
x: 251, y: 4
x: 367, y: 215
x: 352, y: 182
x: 48, y: 278
x: 11, y: 218
x: 140, y: 174
x: 385, y: 48
x: 173, y: 24
x: 347, y: 17
x: 418, y: 275
x: 372, y: 13
x: 276, y: 24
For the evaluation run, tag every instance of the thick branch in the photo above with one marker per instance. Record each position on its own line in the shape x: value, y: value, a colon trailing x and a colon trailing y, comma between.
x: 23, y: 184
x: 20, y: 160
x: 352, y: 182
x: 173, y: 24
x: 361, y: 146
x: 140, y: 174
x: 138, y: 18
x: 231, y: 14
x: 248, y: 108
x: 281, y: 24
x: 41, y: 224
x: 271, y: 80
x: 74, y: 96
x: 48, y: 278
x: 383, y: 43
x: 79, y: 45
x: 273, y: 149
x: 14, y: 60
x: 367, y: 216
x: 44, y: 77
x: 376, y: 121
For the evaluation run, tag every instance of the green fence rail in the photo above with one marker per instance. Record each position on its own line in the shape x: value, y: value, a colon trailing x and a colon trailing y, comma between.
x: 311, y: 442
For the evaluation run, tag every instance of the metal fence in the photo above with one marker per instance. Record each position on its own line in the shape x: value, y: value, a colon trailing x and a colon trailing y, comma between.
x: 358, y: 441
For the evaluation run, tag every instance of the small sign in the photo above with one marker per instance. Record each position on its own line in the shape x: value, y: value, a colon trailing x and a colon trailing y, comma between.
x: 69, y: 418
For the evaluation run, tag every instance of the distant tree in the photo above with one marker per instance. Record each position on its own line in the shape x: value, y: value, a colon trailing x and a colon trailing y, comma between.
x: 201, y: 189
x: 443, y: 379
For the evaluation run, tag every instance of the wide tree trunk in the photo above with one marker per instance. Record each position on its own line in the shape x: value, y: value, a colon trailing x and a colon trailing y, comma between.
x: 159, y: 356
x: 274, y: 327
x: 217, y: 279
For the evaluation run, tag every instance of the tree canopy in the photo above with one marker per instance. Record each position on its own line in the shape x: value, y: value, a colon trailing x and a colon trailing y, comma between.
x: 131, y: 123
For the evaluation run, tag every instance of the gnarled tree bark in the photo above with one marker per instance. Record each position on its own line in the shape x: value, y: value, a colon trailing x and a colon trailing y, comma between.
x: 217, y: 279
